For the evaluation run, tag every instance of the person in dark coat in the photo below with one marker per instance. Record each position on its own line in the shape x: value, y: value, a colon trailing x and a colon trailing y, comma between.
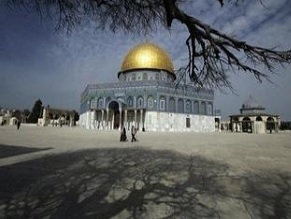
x: 123, y: 136
x: 133, y: 133
x: 18, y: 124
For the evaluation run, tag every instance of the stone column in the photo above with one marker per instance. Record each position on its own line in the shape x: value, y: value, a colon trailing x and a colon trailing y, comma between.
x: 135, y: 114
x: 167, y: 103
x: 240, y: 127
x: 88, y: 119
x: 93, y: 123
x: 141, y: 120
x: 112, y: 122
x: 71, y: 120
x: 107, y: 118
x: 125, y: 119
x: 66, y: 118
x: 44, y: 117
x: 102, y: 119
x: 120, y: 118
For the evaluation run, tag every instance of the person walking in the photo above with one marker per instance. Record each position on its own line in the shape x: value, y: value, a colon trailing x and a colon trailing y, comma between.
x: 133, y: 133
x: 18, y: 124
x: 123, y: 136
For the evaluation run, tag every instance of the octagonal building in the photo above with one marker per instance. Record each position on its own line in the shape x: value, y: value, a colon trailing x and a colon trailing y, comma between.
x: 147, y: 97
x: 254, y: 119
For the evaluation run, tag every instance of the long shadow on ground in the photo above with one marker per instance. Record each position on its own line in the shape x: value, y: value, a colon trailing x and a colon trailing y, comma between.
x: 138, y: 183
x: 9, y: 150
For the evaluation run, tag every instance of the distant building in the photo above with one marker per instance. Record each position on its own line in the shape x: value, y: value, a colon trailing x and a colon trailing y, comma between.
x: 57, y: 117
x: 254, y: 119
x: 7, y: 117
x: 147, y: 97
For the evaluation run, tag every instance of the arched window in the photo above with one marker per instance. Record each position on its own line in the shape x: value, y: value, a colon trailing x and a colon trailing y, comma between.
x: 140, y: 102
x: 139, y: 77
x: 122, y: 77
x: 270, y: 124
x: 172, y: 105
x: 188, y: 106
x: 145, y: 76
x: 203, y: 108
x: 130, y: 101
x: 196, y: 107
x: 209, y: 109
x: 107, y: 100
x: 157, y: 76
x: 246, y: 124
x: 259, y: 119
x: 180, y: 105
x: 150, y: 102
x: 162, y: 103
x: 100, y: 103
x: 133, y: 77
x: 93, y: 104
x: 270, y: 119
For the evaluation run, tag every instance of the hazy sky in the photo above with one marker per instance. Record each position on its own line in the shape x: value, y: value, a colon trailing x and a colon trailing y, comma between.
x: 38, y: 62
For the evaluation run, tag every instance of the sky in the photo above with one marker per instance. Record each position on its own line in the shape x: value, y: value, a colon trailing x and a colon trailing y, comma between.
x: 38, y: 62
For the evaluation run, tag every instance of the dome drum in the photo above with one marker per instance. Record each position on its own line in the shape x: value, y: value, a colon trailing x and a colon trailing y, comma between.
x: 144, y: 74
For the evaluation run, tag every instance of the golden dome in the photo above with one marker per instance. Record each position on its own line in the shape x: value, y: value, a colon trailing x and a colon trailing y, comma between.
x: 147, y: 56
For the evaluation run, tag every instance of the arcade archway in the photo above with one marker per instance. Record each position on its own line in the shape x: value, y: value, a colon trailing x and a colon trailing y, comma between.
x: 115, y: 114
x: 247, y: 125
x: 270, y: 124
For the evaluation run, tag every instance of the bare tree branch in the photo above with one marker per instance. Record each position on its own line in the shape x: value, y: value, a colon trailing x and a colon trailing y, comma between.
x: 215, y: 51
x: 211, y: 53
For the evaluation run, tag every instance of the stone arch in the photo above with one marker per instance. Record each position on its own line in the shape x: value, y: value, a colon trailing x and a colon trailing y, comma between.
x: 270, y: 124
x: 172, y: 104
x: 246, y: 124
x: 258, y: 125
x: 150, y: 102
x: 203, y: 108
x: 180, y: 105
x: 130, y: 101
x: 162, y: 102
x: 100, y: 103
x: 114, y: 114
x: 188, y: 107
x: 209, y: 109
x: 259, y: 119
x: 235, y: 124
x: 113, y: 105
x: 108, y: 99
x: 140, y: 102
x: 196, y: 107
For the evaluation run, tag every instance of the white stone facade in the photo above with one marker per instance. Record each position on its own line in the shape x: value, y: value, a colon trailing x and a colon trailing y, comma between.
x: 176, y: 122
x: 155, y: 121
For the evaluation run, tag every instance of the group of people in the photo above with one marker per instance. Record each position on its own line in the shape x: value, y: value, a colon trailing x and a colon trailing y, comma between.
x: 123, y: 136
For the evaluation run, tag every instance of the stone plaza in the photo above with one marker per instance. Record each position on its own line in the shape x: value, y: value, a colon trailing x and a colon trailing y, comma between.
x: 70, y: 172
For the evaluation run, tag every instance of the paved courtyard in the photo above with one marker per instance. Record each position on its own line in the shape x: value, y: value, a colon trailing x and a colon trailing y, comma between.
x: 65, y: 172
